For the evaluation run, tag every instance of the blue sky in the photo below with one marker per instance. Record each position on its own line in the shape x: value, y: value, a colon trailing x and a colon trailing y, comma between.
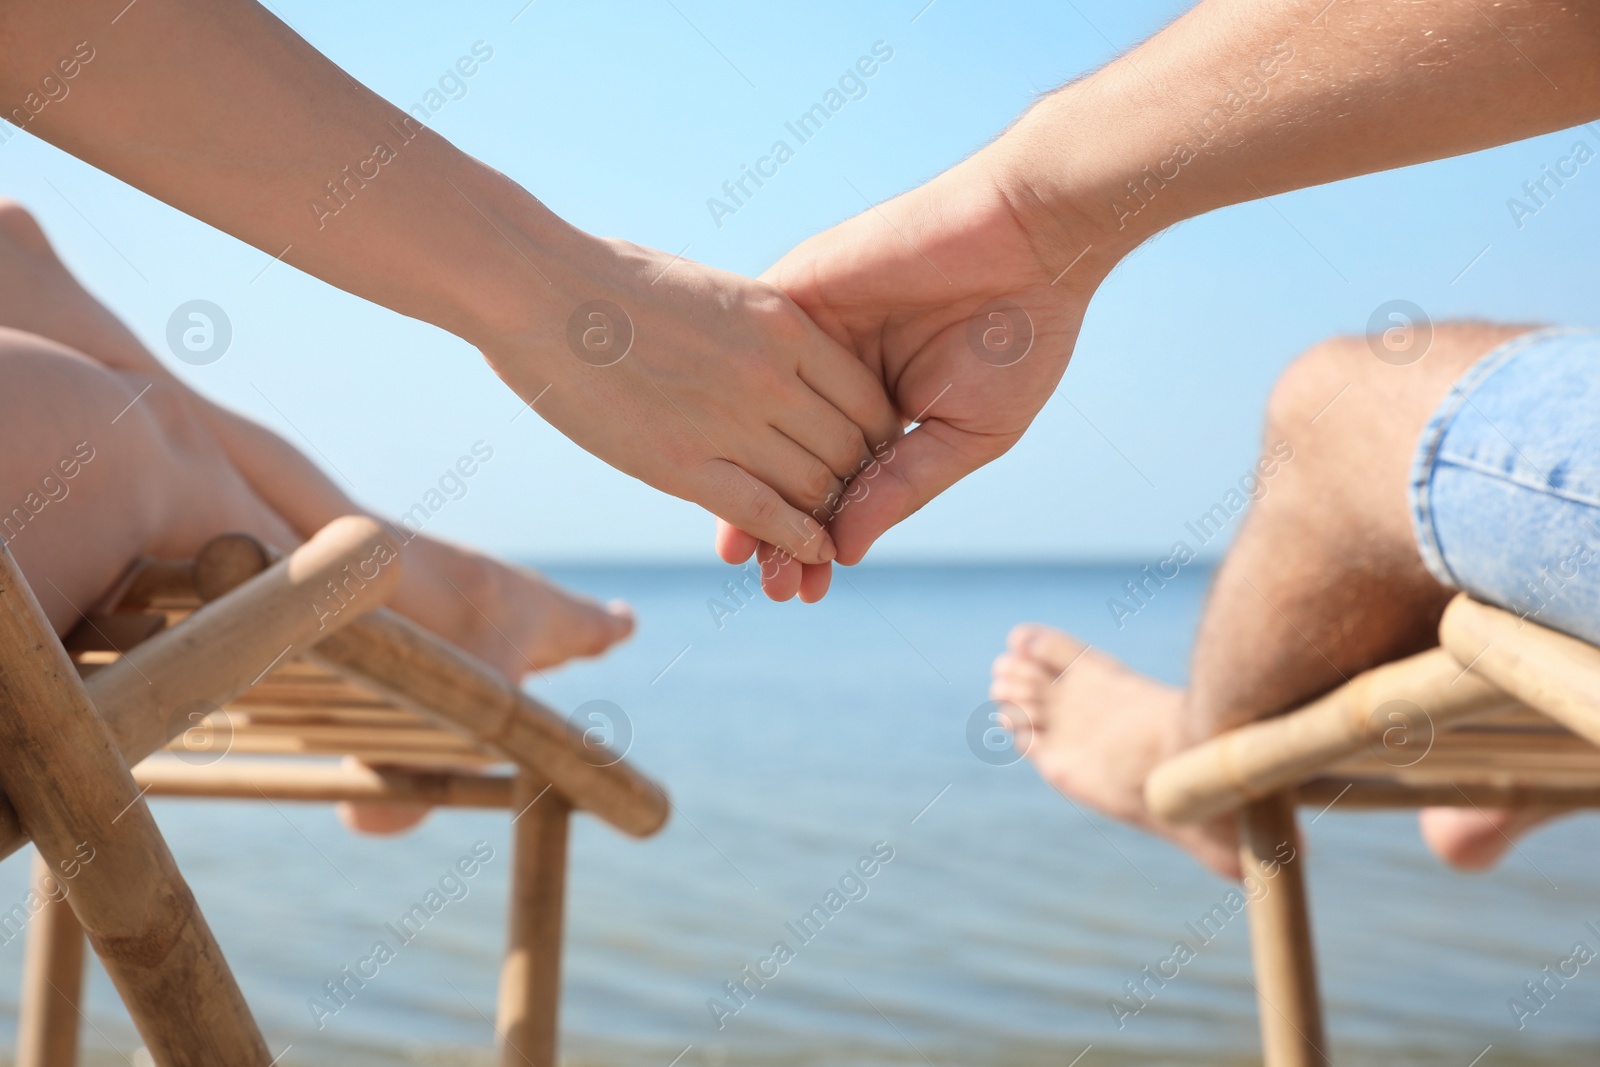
x: 626, y: 117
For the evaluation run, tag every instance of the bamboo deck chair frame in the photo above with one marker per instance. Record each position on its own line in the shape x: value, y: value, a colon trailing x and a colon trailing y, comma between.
x: 174, y: 637
x: 1505, y: 714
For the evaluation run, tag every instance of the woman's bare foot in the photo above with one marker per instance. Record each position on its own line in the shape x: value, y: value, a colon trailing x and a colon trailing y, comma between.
x: 1470, y: 839
x: 39, y: 295
x: 510, y: 617
x: 1095, y: 730
x: 513, y: 619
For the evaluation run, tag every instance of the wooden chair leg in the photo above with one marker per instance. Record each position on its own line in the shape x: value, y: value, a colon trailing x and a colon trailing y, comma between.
x: 1280, y: 935
x: 52, y: 978
x: 530, y: 979
x: 221, y: 650
x: 74, y: 795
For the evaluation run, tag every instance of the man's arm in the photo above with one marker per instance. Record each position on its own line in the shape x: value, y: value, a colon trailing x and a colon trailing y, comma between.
x: 1241, y: 99
x: 1236, y: 100
x: 720, y: 388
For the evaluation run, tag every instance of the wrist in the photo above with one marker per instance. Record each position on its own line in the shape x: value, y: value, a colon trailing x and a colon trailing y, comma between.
x: 526, y: 265
x: 1067, y: 167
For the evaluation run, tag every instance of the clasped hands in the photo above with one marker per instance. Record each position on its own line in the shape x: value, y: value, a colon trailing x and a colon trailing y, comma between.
x: 870, y: 369
x: 957, y: 297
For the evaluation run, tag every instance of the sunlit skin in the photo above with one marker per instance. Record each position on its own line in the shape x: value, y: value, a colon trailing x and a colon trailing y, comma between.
x: 728, y: 396
x: 175, y: 470
x: 1323, y: 92
x: 221, y: 111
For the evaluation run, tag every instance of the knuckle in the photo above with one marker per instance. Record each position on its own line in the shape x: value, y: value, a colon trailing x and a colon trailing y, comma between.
x: 779, y: 320
x: 763, y: 511
x: 850, y: 447
x: 819, y: 481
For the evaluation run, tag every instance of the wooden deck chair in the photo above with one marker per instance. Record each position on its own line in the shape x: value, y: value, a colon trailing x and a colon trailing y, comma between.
x: 1505, y: 714
x: 270, y: 662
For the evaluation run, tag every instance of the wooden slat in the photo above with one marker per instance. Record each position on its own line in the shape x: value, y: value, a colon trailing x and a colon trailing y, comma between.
x: 1557, y: 674
x: 381, y: 717
x: 237, y: 779
x: 1355, y: 794
x: 375, y: 753
x: 1267, y: 757
x: 276, y: 691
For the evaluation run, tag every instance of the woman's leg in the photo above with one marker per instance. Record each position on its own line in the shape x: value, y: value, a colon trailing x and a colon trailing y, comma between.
x: 507, y: 616
x: 98, y: 468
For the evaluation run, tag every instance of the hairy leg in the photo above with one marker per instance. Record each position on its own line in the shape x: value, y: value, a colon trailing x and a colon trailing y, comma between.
x: 508, y: 616
x: 1325, y: 579
x: 1329, y: 582
x: 1323, y: 582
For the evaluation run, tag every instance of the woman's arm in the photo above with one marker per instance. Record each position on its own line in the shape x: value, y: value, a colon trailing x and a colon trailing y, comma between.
x: 720, y: 387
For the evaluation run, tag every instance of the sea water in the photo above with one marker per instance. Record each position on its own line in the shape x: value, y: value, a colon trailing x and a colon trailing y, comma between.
x: 803, y: 746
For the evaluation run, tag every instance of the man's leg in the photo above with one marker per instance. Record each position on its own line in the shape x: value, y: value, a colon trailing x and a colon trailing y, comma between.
x: 1324, y: 581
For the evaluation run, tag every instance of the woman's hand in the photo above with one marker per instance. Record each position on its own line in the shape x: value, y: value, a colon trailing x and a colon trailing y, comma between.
x: 708, y: 385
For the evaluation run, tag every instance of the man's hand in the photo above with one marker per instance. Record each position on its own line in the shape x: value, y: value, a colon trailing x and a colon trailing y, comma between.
x: 1236, y: 100
x: 966, y: 302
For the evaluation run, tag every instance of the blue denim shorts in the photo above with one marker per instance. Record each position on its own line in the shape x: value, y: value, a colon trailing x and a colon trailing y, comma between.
x: 1505, y: 486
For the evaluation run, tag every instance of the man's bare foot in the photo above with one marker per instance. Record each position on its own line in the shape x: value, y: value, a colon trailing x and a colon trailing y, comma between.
x: 1095, y: 730
x: 1470, y: 839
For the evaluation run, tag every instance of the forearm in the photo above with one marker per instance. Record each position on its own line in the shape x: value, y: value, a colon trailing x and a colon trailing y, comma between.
x: 217, y: 108
x: 1241, y: 99
x: 221, y: 111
